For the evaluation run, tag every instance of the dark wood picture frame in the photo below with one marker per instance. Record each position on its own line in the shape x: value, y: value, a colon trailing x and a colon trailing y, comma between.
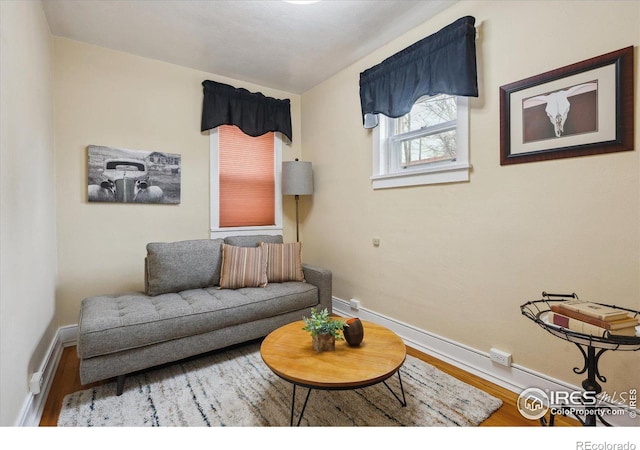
x: 611, y: 129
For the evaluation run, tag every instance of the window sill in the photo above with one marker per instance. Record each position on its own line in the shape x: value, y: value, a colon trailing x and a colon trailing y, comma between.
x: 451, y: 173
x: 219, y: 233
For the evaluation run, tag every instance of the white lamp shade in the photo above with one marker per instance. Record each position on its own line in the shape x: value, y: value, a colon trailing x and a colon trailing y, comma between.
x: 297, y: 178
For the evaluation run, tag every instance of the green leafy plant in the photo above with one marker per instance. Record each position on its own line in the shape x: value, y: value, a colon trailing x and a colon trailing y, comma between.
x: 321, y: 323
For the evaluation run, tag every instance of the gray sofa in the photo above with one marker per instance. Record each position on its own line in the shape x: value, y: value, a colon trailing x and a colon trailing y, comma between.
x: 183, y: 311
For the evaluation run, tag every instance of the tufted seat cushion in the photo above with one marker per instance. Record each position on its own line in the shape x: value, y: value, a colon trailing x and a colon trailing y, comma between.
x: 113, y: 323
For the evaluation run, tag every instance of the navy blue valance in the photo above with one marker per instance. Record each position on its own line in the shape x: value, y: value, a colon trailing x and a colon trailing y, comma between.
x: 253, y: 113
x: 443, y: 63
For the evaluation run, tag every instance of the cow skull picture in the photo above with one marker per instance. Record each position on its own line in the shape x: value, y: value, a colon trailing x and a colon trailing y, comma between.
x: 558, y: 104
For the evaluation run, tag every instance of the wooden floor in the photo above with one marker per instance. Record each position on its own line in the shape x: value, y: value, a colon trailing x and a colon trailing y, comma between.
x: 67, y: 380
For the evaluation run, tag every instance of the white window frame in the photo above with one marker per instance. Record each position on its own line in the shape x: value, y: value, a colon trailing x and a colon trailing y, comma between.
x: 214, y: 200
x: 384, y: 176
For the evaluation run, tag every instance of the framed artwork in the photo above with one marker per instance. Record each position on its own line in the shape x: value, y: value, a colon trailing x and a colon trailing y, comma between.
x: 585, y: 108
x: 120, y: 175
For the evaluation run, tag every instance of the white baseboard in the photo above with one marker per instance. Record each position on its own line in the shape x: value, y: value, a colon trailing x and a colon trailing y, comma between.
x: 515, y: 378
x: 34, y: 403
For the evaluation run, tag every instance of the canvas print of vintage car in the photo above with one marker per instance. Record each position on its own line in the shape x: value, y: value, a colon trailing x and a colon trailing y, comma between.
x: 133, y: 176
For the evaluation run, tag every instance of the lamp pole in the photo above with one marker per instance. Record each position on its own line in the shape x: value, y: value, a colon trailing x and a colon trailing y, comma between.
x: 297, y: 197
x: 297, y: 180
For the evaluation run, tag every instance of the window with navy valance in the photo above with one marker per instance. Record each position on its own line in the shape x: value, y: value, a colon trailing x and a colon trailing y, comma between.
x: 253, y: 113
x: 443, y: 63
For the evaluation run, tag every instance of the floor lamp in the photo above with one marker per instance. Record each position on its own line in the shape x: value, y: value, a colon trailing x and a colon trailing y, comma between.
x: 297, y: 179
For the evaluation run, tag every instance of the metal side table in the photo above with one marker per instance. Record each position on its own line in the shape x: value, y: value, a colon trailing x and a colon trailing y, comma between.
x: 591, y: 347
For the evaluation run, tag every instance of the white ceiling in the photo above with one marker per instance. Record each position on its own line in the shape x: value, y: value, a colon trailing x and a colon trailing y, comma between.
x: 273, y: 43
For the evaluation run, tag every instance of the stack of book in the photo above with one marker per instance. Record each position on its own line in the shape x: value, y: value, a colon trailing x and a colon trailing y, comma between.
x: 592, y: 318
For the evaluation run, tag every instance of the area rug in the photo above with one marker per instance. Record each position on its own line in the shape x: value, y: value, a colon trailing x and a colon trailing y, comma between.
x: 235, y: 388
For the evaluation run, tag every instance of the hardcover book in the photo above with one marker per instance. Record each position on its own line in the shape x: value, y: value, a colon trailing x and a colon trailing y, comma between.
x: 586, y: 328
x: 609, y: 325
x: 601, y: 312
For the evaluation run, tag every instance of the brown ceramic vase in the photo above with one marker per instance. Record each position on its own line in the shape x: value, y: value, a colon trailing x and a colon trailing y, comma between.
x: 353, y: 332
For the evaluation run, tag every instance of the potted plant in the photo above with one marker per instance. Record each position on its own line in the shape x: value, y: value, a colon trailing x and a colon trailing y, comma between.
x: 324, y: 330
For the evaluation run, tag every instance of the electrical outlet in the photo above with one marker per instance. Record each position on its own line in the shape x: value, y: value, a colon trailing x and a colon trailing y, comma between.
x: 500, y: 357
x: 354, y: 304
x: 35, y: 384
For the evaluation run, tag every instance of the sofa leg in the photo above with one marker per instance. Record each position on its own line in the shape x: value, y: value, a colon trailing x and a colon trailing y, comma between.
x: 120, y: 387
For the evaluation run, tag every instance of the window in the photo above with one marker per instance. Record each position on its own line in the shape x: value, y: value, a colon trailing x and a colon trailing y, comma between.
x: 245, y: 182
x: 428, y: 145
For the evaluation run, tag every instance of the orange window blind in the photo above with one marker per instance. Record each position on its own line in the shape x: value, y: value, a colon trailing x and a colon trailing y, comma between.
x: 247, y: 180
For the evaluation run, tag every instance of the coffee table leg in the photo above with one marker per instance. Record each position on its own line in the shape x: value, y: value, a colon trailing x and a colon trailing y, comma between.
x: 403, y: 402
x: 293, y: 403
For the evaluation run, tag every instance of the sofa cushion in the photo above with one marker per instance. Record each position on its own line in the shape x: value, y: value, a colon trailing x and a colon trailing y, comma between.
x: 252, y: 241
x: 177, y: 266
x: 284, y: 262
x: 115, y: 323
x: 243, y: 267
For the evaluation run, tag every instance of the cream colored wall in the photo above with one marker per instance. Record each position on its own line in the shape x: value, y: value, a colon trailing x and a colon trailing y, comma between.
x: 27, y: 199
x: 103, y: 97
x: 458, y: 260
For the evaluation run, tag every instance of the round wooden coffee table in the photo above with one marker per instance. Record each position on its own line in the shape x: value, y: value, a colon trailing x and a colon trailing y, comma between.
x: 288, y: 352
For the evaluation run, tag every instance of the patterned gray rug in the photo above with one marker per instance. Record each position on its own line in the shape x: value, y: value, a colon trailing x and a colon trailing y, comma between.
x: 235, y: 388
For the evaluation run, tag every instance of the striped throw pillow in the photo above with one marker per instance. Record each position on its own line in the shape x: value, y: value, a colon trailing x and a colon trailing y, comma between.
x: 284, y: 262
x: 243, y: 267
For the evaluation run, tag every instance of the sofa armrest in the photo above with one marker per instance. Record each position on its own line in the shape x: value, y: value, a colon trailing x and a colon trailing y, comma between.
x: 322, y: 279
